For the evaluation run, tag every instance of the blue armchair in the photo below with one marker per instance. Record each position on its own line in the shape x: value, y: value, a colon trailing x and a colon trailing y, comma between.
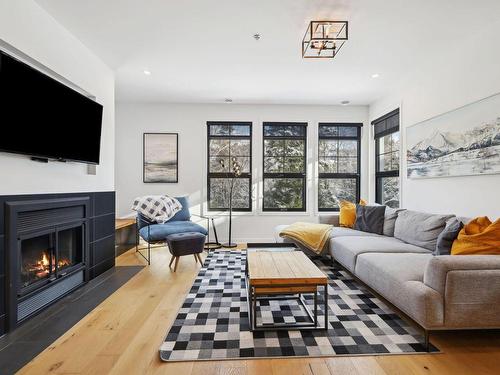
x: 154, y: 233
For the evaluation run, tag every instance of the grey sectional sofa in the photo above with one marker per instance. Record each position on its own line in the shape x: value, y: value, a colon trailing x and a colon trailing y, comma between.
x: 438, y: 292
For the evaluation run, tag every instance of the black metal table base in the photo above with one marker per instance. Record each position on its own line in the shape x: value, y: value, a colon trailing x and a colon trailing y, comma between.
x: 313, y: 324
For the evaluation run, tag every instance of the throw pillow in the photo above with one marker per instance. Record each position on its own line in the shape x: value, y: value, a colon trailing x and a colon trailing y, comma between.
x: 479, y: 236
x: 370, y: 219
x: 419, y: 228
x: 157, y: 208
x: 347, y: 216
x: 390, y: 216
x: 447, y: 236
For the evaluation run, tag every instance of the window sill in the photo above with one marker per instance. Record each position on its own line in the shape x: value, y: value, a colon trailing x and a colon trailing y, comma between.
x: 283, y: 213
x: 215, y: 214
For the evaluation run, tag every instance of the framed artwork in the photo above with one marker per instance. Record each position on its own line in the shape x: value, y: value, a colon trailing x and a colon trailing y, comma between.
x: 462, y: 142
x: 160, y: 157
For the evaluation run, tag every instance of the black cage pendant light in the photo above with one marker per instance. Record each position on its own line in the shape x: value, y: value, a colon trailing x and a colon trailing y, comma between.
x: 324, y: 39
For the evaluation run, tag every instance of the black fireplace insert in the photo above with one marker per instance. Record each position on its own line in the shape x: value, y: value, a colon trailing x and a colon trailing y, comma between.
x: 47, y: 253
x: 50, y: 255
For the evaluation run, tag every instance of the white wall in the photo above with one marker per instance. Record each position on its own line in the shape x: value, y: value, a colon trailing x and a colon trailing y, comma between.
x: 461, y: 74
x: 27, y: 27
x: 189, y: 120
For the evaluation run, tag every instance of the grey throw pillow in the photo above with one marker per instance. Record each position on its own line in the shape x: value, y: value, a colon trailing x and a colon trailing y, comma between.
x: 419, y: 228
x: 370, y: 219
x: 447, y: 236
x: 390, y: 216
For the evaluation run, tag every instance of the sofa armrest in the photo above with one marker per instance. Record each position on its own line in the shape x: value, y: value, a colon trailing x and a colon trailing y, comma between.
x: 437, y: 270
x: 329, y: 219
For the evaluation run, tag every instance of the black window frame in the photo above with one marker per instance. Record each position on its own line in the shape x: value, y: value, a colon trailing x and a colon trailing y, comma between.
x: 275, y: 175
x: 329, y: 175
x: 247, y: 175
x: 383, y: 126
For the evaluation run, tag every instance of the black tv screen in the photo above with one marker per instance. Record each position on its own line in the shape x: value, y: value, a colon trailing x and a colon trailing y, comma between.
x: 42, y: 117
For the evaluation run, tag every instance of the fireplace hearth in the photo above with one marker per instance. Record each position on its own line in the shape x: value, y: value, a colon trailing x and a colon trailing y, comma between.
x: 47, y: 253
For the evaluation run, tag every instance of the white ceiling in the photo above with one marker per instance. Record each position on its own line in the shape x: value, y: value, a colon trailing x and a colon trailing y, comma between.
x: 203, y: 51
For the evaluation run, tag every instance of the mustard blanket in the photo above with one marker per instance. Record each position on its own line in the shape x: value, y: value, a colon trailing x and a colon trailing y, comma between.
x: 310, y: 235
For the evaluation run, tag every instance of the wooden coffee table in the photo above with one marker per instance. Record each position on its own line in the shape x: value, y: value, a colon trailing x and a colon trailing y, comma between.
x: 284, y: 275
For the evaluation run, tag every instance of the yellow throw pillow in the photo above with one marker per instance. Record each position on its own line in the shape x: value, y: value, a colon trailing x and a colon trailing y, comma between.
x: 479, y: 237
x: 347, y: 216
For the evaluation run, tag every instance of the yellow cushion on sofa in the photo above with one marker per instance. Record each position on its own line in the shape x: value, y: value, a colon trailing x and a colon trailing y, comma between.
x: 479, y: 236
x: 347, y: 216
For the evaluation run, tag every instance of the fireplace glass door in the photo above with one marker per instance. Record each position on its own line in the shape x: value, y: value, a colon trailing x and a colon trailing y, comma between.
x: 69, y: 249
x: 37, y: 260
x: 49, y: 256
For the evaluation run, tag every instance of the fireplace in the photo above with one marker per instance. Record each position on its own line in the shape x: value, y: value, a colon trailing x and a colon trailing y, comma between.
x: 47, y: 252
x: 46, y: 257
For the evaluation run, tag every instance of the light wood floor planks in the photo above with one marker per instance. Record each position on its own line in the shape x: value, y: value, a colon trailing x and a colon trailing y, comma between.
x: 122, y: 336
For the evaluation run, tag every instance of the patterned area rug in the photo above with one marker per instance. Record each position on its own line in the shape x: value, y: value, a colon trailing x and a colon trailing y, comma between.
x: 213, y: 321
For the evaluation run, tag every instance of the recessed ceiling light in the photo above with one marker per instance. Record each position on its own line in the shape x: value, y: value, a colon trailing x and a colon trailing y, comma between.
x: 147, y: 72
x: 228, y: 100
x: 375, y: 75
x: 256, y: 36
x: 345, y: 102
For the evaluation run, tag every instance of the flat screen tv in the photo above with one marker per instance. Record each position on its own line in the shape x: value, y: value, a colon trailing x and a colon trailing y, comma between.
x: 41, y: 117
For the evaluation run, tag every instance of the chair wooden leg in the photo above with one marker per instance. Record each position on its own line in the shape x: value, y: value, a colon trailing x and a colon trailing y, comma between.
x: 199, y: 258
x: 176, y: 263
x: 171, y: 261
x: 195, y: 258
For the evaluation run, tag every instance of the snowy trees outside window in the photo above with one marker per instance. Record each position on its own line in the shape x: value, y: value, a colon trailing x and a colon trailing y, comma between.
x: 284, y: 149
x: 228, y: 141
x: 338, y: 164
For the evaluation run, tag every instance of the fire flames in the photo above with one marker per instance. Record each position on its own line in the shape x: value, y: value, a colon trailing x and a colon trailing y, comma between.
x: 42, y: 267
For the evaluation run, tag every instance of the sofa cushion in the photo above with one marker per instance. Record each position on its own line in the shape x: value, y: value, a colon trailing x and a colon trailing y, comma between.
x: 393, y: 267
x: 447, y: 236
x: 479, y: 236
x: 348, y: 232
x: 390, y: 216
x: 464, y: 219
x: 399, y: 278
x: 159, y: 232
x: 370, y: 219
x: 347, y: 214
x: 335, y: 232
x: 346, y: 249
x: 419, y: 228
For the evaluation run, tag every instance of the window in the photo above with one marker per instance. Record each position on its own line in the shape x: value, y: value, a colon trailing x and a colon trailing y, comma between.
x: 284, y: 166
x: 338, y: 164
x: 228, y: 141
x: 387, y: 145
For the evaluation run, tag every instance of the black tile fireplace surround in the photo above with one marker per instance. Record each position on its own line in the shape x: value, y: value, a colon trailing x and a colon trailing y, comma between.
x: 51, y: 244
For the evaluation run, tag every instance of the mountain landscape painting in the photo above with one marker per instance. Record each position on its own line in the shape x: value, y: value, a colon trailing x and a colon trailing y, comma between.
x: 160, y: 157
x: 462, y: 142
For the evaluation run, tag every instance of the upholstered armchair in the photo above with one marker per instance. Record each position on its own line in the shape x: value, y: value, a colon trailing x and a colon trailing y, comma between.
x: 155, y: 234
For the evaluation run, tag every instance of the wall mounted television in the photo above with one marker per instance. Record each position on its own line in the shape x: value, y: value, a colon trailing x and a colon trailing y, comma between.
x: 43, y: 118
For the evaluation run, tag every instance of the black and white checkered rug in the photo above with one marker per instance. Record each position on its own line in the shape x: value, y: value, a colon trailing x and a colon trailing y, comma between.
x: 213, y: 321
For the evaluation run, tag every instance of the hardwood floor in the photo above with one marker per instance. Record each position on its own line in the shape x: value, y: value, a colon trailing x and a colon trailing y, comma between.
x: 122, y: 336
